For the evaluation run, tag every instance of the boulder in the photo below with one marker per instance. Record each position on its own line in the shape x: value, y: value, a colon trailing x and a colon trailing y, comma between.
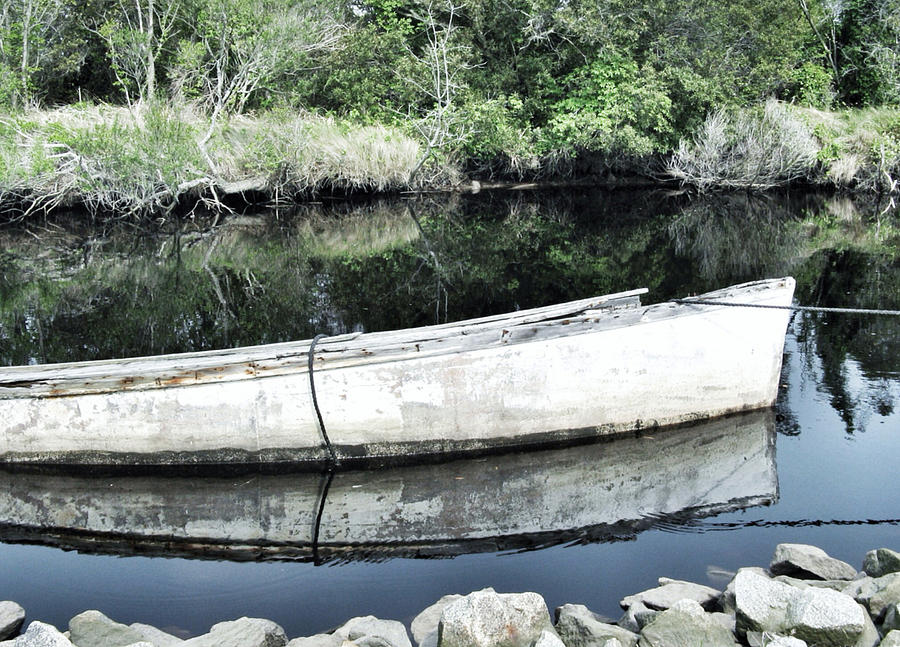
x: 777, y: 640
x: 809, y: 562
x: 891, y: 639
x: 369, y: 631
x: 671, y: 591
x: 424, y: 627
x: 319, y: 640
x: 726, y: 601
x: 580, y: 627
x: 243, y: 632
x: 40, y: 634
x: 636, y: 617
x: 93, y: 629
x: 724, y: 619
x: 549, y: 638
x: 876, y: 593
x: 818, y: 616
x: 834, y: 585
x: 11, y: 618
x: 891, y: 618
x: 685, y: 623
x: 869, y: 636
x: 881, y: 562
x: 156, y: 636
x: 490, y: 619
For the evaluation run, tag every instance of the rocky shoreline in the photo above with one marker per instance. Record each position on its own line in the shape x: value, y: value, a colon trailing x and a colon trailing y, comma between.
x: 805, y: 597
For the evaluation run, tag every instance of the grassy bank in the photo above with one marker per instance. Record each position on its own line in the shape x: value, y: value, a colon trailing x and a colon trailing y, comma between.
x: 164, y: 158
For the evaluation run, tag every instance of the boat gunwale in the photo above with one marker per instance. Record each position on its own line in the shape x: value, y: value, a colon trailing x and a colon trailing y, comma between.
x: 99, y: 377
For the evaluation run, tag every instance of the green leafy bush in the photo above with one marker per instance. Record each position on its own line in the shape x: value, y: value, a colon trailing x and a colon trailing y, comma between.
x: 611, y: 104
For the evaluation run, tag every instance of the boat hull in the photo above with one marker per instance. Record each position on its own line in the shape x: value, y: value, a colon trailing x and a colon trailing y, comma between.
x: 594, y: 492
x: 472, y: 386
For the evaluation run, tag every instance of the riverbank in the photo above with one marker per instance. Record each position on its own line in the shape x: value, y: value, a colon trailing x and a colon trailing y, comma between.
x: 804, y: 597
x: 164, y: 159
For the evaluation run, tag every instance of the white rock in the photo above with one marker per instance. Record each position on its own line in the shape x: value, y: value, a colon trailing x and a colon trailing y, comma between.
x: 425, y: 625
x: 804, y: 561
x: 319, y: 640
x: 549, y: 638
x: 489, y: 619
x: 11, y: 617
x: 156, y: 636
x: 892, y: 639
x: 369, y: 631
x: 777, y: 640
x: 93, y: 629
x: 671, y: 591
x: 243, y: 632
x: 40, y: 634
x: 685, y: 623
x: 876, y: 593
x: 818, y: 616
x: 578, y: 626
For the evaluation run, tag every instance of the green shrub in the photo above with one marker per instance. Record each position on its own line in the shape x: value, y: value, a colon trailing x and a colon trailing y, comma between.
x: 811, y: 85
x: 612, y: 105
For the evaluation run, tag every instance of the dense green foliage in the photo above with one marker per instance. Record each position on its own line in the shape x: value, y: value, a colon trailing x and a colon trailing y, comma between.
x: 513, y: 88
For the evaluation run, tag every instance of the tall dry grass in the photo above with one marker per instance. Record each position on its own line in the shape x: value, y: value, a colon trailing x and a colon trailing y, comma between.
x: 150, y: 160
x: 757, y: 148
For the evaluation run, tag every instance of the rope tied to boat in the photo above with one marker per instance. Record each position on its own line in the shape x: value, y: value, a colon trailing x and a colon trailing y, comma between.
x: 312, y: 388
x: 857, y: 311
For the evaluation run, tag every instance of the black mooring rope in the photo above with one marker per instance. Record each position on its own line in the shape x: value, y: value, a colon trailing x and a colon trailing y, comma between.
x: 329, y: 477
x: 315, y: 400
x: 855, y: 311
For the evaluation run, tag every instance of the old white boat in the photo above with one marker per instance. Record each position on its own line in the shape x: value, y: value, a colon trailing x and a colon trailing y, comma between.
x: 593, y: 367
x: 597, y: 492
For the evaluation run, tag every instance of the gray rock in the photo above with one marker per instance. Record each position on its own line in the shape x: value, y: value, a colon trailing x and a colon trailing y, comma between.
x: 319, y: 640
x: 726, y: 601
x: 424, y: 626
x: 891, y: 618
x: 580, y: 627
x: 40, y: 634
x: 891, y: 639
x: 777, y: 640
x: 869, y: 636
x: 143, y: 643
x: 93, y: 629
x: 489, y: 619
x: 636, y: 617
x: 549, y: 638
x: 834, y: 585
x: 825, y: 617
x: 671, y: 591
x: 685, y: 623
x: 243, y: 632
x: 155, y: 636
x: 11, y: 618
x: 876, y: 593
x: 809, y: 562
x: 369, y: 631
x: 760, y: 603
x: 612, y: 642
x: 818, y: 616
x: 881, y: 562
x: 724, y: 619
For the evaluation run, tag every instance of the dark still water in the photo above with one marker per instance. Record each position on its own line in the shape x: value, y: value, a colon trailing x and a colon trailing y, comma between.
x: 587, y: 524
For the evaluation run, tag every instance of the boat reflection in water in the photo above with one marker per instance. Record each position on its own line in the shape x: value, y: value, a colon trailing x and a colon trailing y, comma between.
x: 591, y: 493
